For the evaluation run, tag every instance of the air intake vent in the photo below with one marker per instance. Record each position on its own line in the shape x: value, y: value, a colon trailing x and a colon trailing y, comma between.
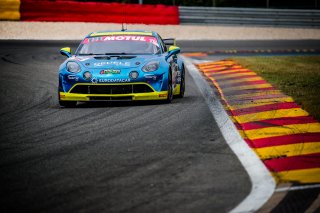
x: 111, y: 89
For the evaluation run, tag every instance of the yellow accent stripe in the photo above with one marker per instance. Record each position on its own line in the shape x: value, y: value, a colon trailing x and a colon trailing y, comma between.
x: 272, y: 114
x: 135, y: 96
x: 282, y: 130
x: 253, y: 86
x: 10, y: 10
x: 176, y: 90
x: 302, y: 176
x: 288, y: 150
x: 67, y: 49
x: 120, y: 33
x: 261, y: 102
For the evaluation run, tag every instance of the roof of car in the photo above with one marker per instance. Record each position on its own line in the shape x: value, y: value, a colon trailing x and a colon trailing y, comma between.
x: 126, y: 32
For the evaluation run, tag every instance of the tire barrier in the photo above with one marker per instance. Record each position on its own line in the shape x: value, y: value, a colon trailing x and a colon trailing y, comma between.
x: 71, y: 11
x: 9, y: 10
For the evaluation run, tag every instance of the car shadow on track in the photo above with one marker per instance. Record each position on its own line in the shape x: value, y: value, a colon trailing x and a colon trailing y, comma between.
x: 98, y: 104
x: 103, y: 104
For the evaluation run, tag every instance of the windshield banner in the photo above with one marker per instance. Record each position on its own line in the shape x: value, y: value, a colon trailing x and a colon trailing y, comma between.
x: 149, y: 39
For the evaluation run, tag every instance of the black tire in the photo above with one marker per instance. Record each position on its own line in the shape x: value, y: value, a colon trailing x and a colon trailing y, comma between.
x: 67, y: 104
x: 182, y: 84
x: 170, y: 90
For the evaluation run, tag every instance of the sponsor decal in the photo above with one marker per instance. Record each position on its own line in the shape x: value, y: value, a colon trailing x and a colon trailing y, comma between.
x: 149, y: 39
x: 148, y: 76
x: 108, y: 80
x: 113, y: 80
x: 116, y: 63
x: 110, y: 71
x: 94, y: 80
x: 73, y: 77
x: 120, y: 33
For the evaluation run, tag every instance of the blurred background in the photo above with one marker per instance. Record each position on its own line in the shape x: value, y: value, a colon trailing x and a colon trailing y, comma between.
x: 283, y: 4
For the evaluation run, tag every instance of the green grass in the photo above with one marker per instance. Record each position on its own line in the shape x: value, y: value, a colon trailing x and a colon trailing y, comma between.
x: 296, y: 76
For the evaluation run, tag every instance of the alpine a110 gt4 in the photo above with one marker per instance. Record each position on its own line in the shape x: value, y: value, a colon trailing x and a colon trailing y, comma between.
x: 121, y: 65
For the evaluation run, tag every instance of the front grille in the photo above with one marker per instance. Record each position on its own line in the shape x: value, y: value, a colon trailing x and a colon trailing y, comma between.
x: 124, y: 98
x: 111, y: 89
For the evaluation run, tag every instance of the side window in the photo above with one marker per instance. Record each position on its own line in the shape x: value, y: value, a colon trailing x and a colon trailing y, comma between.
x: 163, y: 46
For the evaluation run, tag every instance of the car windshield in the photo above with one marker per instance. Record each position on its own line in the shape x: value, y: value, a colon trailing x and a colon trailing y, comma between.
x: 119, y: 45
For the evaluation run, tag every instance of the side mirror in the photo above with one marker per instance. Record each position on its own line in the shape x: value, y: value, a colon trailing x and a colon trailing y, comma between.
x: 173, y: 50
x: 169, y: 41
x: 66, y: 51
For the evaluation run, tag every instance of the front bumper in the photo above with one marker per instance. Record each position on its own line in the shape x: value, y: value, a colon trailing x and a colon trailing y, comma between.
x: 105, y: 92
x: 124, y: 97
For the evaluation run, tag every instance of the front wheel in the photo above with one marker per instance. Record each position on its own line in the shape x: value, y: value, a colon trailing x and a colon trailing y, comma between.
x: 182, y: 84
x: 170, y: 90
x: 67, y: 104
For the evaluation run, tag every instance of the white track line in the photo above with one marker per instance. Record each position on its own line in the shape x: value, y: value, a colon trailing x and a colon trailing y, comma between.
x: 295, y: 188
x: 263, y: 184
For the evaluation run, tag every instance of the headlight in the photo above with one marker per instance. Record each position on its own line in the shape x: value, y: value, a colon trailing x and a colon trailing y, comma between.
x: 151, y: 66
x: 73, y: 67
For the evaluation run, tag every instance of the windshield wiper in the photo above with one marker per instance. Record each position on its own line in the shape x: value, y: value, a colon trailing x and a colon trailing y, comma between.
x: 115, y: 53
x: 82, y: 54
x: 90, y: 54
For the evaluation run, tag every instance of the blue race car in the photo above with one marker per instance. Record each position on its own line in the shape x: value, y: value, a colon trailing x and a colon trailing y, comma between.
x: 121, y: 65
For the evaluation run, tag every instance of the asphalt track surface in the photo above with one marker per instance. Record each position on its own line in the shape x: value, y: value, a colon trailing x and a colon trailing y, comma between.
x: 108, y: 157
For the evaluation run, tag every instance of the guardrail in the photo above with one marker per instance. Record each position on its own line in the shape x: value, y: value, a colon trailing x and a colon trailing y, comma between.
x: 249, y: 16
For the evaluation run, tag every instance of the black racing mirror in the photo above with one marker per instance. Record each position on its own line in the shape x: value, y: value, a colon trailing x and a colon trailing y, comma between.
x: 66, y: 51
x: 173, y: 50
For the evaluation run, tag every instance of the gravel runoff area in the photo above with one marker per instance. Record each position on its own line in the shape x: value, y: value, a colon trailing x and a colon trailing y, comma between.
x: 77, y: 30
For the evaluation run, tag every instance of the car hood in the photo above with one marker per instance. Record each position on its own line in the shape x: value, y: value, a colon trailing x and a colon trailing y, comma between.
x: 114, y: 62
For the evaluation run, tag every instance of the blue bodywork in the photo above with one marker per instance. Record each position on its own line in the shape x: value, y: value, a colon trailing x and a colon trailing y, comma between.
x: 116, y: 69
